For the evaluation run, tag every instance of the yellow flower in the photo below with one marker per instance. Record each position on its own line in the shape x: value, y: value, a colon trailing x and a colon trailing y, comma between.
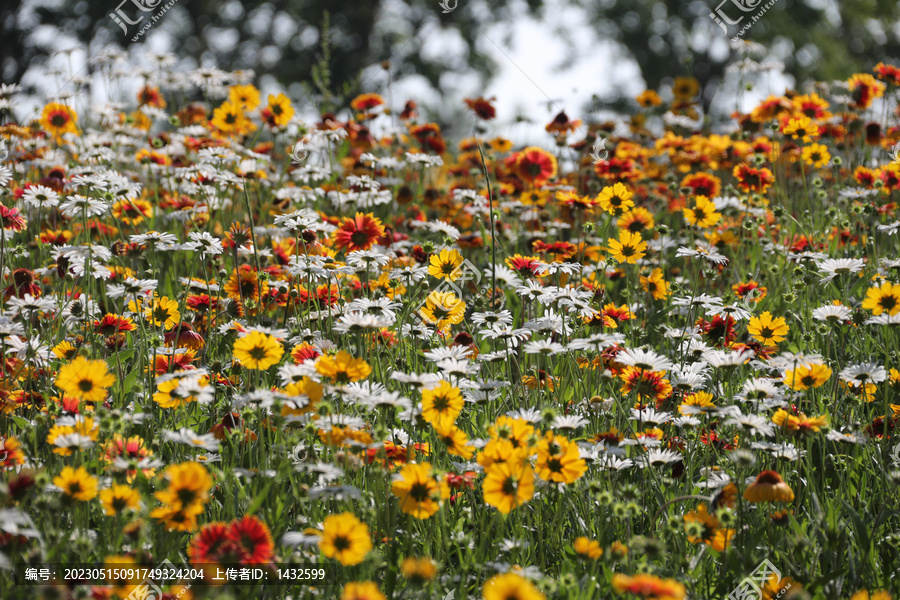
x: 441, y: 405
x: 362, y: 590
x: 864, y: 391
x: 132, y: 211
x: 230, y: 119
x: 802, y: 128
x: 883, y: 299
x: 656, y: 285
x: 703, y: 213
x: 648, y: 98
x: 588, y: 548
x: 445, y: 265
x: 418, y: 570
x: 519, y: 432
x: 167, y: 397
x: 178, y: 519
x: 699, y: 399
x: 258, y: 350
x: 816, y: 155
x: 58, y: 119
x: 420, y: 494
x: 456, y: 440
x: 442, y: 309
x: 615, y: 199
x: 279, y: 111
x: 342, y: 368
x: 767, y: 330
x: 161, y: 312
x: 84, y: 427
x: 636, y: 220
x: 76, y: 483
x: 244, y: 285
x: 501, y: 451
x: 685, y: 88
x: 798, y: 423
x: 534, y: 197
x: 508, y: 485
x: 308, y: 387
x: 629, y: 248
x: 806, y: 377
x: 124, y: 586
x: 510, y: 586
x: 64, y: 350
x: 559, y: 460
x: 345, y: 538
x: 85, y: 379
x: 245, y: 96
x: 189, y: 485
x: 119, y: 498
x: 713, y: 536
x: 876, y: 595
x: 500, y: 145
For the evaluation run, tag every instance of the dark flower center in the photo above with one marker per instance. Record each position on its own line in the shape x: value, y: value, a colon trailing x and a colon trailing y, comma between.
x: 419, y: 492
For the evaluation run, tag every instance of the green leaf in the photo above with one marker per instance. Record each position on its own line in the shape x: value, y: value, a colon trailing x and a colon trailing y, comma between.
x: 128, y: 384
x: 860, y: 529
x: 260, y: 498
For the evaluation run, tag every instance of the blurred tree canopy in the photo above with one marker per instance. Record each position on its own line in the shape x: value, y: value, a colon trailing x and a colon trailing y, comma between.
x: 825, y: 39
x: 818, y: 39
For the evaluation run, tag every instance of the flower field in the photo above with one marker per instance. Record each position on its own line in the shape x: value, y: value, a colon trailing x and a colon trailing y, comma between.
x: 629, y: 362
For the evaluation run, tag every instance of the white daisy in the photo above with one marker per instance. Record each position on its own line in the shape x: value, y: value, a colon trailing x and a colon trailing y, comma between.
x: 864, y: 373
x: 832, y: 267
x: 832, y: 313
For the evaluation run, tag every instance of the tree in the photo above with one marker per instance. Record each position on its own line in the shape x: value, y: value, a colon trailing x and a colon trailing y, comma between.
x: 283, y: 37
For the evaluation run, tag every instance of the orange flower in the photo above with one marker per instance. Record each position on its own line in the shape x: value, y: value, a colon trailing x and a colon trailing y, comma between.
x: 561, y: 124
x: 752, y: 179
x: 703, y: 184
x: 481, y: 107
x: 366, y: 102
x: 648, y: 586
x: 358, y: 233
x: 149, y: 96
x: 798, y: 423
x: 769, y: 487
x: 864, y: 89
x: 535, y: 165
